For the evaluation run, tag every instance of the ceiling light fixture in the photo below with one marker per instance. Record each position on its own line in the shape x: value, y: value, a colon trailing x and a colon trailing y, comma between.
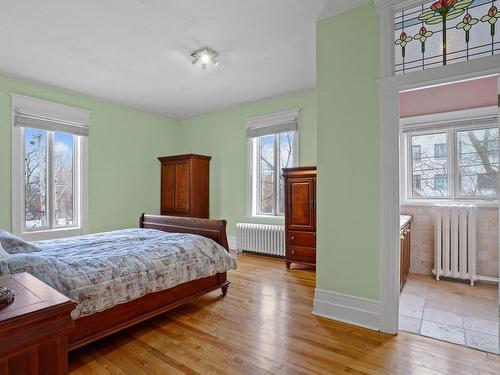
x: 205, y: 56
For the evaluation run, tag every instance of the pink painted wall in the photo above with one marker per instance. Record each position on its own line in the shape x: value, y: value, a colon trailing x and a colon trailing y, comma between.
x: 453, y: 97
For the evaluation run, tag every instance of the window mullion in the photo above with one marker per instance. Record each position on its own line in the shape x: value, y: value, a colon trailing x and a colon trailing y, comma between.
x: 276, y: 175
x: 258, y: 161
x: 76, y: 181
x: 408, y: 165
x: 452, y: 165
x: 24, y: 178
x: 50, y: 179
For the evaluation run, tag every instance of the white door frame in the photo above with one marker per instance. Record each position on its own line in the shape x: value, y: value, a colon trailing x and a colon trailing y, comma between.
x: 389, y: 87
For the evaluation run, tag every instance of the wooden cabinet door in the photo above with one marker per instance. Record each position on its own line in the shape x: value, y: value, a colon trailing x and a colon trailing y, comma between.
x: 167, y: 188
x: 407, y: 255
x: 401, y: 263
x: 404, y: 256
x: 182, y: 192
x: 301, y: 202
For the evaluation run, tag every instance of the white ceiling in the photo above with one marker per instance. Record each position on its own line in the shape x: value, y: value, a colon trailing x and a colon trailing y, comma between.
x: 136, y: 52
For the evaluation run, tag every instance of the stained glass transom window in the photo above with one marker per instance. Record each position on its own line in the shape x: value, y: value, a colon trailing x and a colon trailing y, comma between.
x: 443, y: 32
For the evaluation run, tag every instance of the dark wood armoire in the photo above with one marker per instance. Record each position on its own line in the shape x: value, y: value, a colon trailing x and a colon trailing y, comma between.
x: 300, y: 215
x: 185, y: 185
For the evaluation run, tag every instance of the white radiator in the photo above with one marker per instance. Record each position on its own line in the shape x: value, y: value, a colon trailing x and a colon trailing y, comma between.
x: 455, y: 241
x: 258, y: 238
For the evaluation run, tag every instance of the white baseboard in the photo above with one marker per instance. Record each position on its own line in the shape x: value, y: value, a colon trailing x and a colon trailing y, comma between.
x: 354, y: 310
x: 231, y: 242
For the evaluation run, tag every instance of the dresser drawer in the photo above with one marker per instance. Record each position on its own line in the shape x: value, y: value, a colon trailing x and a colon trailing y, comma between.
x: 302, y: 254
x: 302, y: 239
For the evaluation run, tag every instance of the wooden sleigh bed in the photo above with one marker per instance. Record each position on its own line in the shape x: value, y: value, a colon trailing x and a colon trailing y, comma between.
x: 101, y: 324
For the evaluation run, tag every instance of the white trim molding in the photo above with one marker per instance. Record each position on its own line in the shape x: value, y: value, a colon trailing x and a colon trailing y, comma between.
x: 48, y: 110
x: 349, y: 309
x: 390, y: 86
x: 273, y: 123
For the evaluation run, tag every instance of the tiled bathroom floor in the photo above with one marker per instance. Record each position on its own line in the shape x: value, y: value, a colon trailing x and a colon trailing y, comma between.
x: 450, y: 311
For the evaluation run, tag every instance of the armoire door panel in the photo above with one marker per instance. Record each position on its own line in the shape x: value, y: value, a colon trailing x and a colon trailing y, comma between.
x: 301, y: 194
x: 168, y: 187
x: 182, y: 187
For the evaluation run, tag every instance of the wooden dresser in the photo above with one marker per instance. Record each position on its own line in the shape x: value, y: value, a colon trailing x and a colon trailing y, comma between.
x: 185, y: 185
x: 300, y: 215
x: 34, y: 328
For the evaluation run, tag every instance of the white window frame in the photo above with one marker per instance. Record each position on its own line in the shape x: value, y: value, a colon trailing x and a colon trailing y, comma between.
x: 80, y: 175
x: 253, y: 166
x: 416, y: 124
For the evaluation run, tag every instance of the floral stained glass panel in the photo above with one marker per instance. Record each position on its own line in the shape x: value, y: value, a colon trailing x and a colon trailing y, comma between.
x: 443, y: 32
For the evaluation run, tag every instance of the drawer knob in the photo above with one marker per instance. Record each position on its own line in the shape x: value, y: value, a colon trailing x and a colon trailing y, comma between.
x: 292, y: 237
x: 293, y: 252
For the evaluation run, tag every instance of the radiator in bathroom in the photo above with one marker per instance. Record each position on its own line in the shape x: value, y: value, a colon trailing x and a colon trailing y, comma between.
x: 455, y: 241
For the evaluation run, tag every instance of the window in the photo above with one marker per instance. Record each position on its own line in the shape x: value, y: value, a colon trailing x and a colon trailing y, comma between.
x: 417, y: 182
x: 440, y: 150
x: 441, y: 182
x: 477, y: 162
x: 429, y: 165
x: 417, y: 152
x: 436, y: 33
x: 49, y: 187
x: 49, y: 160
x: 455, y: 160
x: 272, y: 146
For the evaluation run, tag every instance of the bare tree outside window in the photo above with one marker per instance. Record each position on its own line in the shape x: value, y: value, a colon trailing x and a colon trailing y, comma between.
x: 48, y: 193
x: 35, y: 178
x: 63, y: 179
x: 275, y: 152
x: 267, y: 174
x: 287, y: 160
x: 475, y: 163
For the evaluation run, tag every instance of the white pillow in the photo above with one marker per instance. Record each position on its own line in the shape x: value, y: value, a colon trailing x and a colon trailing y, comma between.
x: 3, y: 253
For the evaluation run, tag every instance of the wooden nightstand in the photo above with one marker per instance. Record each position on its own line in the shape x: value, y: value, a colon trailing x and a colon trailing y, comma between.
x: 34, y: 328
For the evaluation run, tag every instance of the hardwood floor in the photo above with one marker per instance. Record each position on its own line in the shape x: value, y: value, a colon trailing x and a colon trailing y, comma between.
x: 264, y: 326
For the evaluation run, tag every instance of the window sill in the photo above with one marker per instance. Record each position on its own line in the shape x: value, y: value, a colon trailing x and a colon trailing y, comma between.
x: 430, y: 203
x: 279, y: 219
x: 50, y: 234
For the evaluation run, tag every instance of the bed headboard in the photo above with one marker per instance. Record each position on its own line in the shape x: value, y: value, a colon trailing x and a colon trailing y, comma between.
x: 214, y: 229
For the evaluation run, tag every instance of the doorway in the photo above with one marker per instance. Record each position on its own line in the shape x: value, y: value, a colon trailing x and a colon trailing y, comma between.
x: 449, y: 155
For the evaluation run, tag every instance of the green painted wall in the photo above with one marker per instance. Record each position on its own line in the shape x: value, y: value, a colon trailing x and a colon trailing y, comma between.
x: 124, y: 174
x: 124, y: 143
x: 222, y: 135
x: 348, y: 152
